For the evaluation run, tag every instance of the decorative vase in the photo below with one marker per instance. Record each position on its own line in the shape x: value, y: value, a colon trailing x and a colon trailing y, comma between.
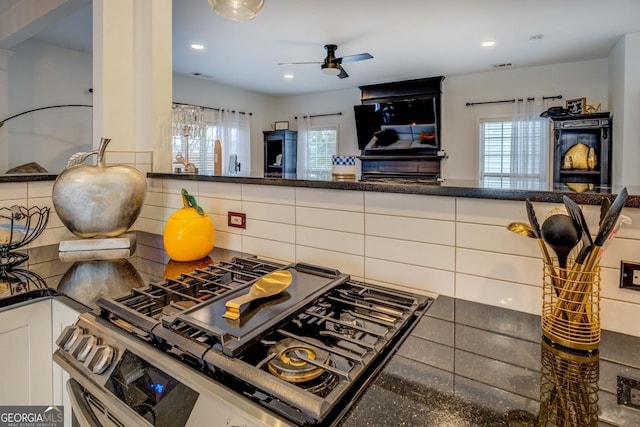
x: 189, y: 234
x: 98, y: 200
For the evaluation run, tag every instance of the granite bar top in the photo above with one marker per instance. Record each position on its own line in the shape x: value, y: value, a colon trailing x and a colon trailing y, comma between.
x: 534, y: 191
x: 521, y: 190
x: 464, y: 364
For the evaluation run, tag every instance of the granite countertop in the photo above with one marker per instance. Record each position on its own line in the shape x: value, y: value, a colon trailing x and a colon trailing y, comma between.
x: 520, y: 190
x: 470, y: 364
x: 464, y: 364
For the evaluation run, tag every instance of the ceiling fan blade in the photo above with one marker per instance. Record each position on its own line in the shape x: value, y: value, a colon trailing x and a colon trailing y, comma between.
x: 353, y: 58
x: 343, y: 74
x: 299, y: 63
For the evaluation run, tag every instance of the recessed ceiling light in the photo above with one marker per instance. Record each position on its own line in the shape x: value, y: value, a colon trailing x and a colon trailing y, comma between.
x: 488, y: 44
x: 288, y: 76
x: 535, y: 38
x: 197, y: 46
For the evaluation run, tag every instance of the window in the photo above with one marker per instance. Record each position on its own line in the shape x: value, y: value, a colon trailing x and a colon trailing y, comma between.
x: 322, y: 144
x: 503, y: 149
x: 194, y: 138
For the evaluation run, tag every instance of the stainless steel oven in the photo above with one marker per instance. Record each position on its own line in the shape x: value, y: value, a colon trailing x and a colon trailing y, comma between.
x: 164, y: 355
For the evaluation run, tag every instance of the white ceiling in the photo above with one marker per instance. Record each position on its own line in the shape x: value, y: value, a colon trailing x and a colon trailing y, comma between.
x: 407, y: 38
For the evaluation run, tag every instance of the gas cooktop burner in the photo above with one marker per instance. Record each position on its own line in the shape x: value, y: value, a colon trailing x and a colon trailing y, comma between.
x: 304, y: 357
x: 297, y: 362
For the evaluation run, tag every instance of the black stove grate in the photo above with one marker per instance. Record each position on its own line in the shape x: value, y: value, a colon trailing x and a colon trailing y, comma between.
x: 336, y: 338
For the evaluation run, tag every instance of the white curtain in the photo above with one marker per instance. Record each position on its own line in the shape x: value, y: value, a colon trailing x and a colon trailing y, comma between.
x: 234, y: 132
x: 529, y: 140
x: 304, y: 127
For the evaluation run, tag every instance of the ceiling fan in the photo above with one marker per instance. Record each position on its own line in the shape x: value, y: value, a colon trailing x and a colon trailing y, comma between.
x: 331, y: 64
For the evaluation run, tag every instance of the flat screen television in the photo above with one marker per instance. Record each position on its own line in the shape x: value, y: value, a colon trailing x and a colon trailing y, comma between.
x: 402, y: 117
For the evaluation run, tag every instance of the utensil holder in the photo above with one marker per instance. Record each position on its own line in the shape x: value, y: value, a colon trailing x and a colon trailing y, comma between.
x: 568, y: 387
x: 571, y: 305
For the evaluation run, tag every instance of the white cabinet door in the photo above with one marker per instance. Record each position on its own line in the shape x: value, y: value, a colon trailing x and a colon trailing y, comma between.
x: 62, y: 316
x: 25, y: 355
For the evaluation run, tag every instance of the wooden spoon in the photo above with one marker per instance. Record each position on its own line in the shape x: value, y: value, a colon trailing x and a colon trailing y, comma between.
x: 268, y: 285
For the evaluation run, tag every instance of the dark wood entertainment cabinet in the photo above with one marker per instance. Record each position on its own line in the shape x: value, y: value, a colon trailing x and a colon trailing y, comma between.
x: 417, y: 161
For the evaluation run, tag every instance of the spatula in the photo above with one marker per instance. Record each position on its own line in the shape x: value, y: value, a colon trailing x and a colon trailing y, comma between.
x: 578, y: 217
x: 268, y: 285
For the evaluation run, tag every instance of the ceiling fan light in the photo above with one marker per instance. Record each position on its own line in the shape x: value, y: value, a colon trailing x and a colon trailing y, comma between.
x: 331, y: 69
x: 237, y: 10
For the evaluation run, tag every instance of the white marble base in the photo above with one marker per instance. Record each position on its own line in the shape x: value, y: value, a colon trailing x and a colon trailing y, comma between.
x: 92, y: 249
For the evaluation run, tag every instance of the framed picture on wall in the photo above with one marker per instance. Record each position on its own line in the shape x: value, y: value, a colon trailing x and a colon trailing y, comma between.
x: 576, y: 106
x: 281, y: 126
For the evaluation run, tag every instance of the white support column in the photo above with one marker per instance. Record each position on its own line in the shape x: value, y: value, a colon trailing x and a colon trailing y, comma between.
x: 4, y: 109
x: 132, y: 76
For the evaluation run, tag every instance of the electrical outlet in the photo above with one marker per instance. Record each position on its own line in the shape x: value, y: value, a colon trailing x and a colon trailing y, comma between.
x: 630, y: 275
x: 236, y: 219
x: 629, y: 392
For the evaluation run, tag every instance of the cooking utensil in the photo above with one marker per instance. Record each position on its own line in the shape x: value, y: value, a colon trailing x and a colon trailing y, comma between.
x: 560, y: 233
x: 578, y: 217
x: 522, y: 229
x: 607, y: 225
x: 535, y: 226
x: 605, y: 204
x: 579, y: 279
x: 268, y: 285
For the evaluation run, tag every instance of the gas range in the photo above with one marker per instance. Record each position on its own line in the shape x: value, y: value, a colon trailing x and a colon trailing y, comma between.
x: 165, y: 355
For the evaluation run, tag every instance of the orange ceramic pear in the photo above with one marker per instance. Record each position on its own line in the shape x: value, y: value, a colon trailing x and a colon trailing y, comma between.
x: 189, y: 234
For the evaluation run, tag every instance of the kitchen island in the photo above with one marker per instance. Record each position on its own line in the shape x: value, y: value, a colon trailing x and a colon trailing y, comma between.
x: 465, y: 363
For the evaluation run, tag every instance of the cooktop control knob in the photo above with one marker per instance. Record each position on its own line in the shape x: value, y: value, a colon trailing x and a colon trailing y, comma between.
x: 100, y: 358
x: 83, y: 347
x: 69, y: 337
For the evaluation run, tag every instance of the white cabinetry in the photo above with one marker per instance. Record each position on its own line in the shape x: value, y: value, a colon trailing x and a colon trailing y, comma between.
x: 62, y: 315
x: 25, y: 355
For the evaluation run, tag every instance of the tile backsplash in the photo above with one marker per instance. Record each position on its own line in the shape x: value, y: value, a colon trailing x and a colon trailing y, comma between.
x: 457, y: 247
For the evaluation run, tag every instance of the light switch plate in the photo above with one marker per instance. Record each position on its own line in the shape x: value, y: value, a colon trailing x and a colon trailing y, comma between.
x: 237, y: 219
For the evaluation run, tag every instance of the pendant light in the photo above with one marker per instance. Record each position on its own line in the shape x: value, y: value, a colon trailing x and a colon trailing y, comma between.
x: 237, y: 10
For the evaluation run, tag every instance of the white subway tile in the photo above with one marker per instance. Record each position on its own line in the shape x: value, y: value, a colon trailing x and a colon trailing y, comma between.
x: 514, y: 296
x: 268, y: 194
x: 120, y: 157
x: 268, y: 249
x: 269, y: 212
x: 144, y: 157
x: 175, y: 186
x: 152, y: 226
x: 415, y: 229
x: 512, y: 268
x: 153, y: 198
x: 7, y: 203
x: 495, y: 239
x: 271, y: 230
x: 610, y: 287
x: 617, y: 316
x: 151, y: 212
x: 40, y: 189
x: 416, y: 253
x: 345, y: 263
x: 411, y: 205
x: 12, y: 191
x: 619, y: 249
x: 498, y: 212
x: 352, y: 222
x: 330, y: 199
x: 220, y: 190
x: 331, y: 240
x: 229, y: 241
x: 219, y: 206
x: 410, y: 276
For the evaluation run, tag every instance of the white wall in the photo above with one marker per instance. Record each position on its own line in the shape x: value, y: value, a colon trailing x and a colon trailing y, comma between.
x: 459, y: 122
x: 42, y: 75
x: 624, y: 84
x: 341, y: 101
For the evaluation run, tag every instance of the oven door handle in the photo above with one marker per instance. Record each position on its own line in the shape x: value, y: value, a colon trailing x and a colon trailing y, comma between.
x: 81, y: 409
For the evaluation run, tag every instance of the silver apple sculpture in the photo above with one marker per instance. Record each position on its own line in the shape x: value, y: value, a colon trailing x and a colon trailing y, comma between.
x: 98, y: 200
